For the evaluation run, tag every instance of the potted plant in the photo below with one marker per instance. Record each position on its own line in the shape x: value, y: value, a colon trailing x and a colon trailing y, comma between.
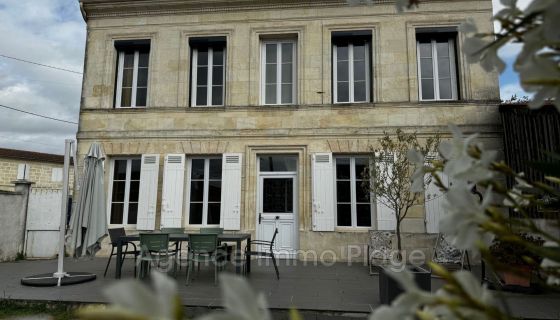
x: 518, y: 259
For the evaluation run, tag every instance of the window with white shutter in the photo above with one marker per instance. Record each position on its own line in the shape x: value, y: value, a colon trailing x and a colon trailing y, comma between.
x: 323, y: 192
x: 353, y: 201
x: 124, y: 191
x: 204, y: 191
x: 149, y: 174
x: 172, y: 191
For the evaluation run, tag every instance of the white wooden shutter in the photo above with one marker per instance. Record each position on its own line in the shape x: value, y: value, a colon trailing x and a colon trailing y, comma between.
x: 149, y: 173
x: 231, y: 191
x: 23, y: 171
x: 386, y: 219
x: 323, y: 192
x: 433, y: 203
x: 172, y: 192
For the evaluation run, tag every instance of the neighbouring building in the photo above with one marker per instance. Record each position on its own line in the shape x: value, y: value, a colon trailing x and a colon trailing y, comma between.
x: 43, y: 169
x: 257, y: 115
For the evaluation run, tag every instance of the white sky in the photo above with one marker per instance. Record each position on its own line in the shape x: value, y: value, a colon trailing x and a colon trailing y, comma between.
x: 53, y: 32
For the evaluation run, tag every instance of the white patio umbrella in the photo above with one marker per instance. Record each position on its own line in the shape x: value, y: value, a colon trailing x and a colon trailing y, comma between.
x: 88, y: 223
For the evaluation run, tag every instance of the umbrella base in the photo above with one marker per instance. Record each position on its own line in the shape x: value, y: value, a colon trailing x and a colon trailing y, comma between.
x: 50, y: 280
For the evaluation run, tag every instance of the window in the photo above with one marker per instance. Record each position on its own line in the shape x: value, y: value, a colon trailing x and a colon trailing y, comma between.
x: 132, y: 73
x: 437, y: 71
x: 351, y: 66
x: 279, y: 72
x: 353, y: 203
x: 56, y: 175
x: 208, y: 71
x: 205, y: 191
x: 125, y: 187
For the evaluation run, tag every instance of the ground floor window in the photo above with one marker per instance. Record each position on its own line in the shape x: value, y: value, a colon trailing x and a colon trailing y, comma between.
x: 353, y: 202
x: 204, y: 191
x: 125, y: 187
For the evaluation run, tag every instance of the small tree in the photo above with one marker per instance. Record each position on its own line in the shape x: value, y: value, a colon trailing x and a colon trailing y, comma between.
x: 389, y: 172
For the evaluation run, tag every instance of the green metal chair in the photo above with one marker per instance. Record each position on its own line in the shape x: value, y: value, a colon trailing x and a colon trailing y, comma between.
x: 154, y: 248
x: 218, y: 231
x: 204, y: 248
x: 177, y: 246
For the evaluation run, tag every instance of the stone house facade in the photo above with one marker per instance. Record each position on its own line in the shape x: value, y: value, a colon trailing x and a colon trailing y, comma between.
x: 258, y: 115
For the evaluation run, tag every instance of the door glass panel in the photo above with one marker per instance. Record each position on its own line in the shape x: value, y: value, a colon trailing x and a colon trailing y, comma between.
x: 277, y: 195
x: 278, y: 163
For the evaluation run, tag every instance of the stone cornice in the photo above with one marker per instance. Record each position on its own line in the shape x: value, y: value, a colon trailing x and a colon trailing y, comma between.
x: 120, y: 8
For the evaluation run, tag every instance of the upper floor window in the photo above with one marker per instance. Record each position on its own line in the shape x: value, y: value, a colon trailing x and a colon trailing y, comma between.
x: 351, y: 67
x: 208, y: 71
x: 437, y: 67
x: 132, y: 73
x: 279, y: 72
x: 353, y: 202
x: 124, y: 191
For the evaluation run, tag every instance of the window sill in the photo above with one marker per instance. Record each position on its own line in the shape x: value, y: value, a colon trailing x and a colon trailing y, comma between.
x: 352, y: 229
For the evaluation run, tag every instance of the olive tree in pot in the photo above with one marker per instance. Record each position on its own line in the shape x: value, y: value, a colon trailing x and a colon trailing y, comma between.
x: 389, y: 179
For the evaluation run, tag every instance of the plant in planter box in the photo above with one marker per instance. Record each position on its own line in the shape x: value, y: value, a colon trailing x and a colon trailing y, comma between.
x: 518, y: 258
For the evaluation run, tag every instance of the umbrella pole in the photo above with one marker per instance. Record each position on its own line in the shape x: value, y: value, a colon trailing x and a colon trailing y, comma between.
x: 63, y: 209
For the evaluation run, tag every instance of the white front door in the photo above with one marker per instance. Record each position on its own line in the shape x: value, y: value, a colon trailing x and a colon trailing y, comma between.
x: 277, y: 209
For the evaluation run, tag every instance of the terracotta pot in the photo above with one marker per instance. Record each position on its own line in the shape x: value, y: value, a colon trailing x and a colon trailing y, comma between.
x: 516, y: 279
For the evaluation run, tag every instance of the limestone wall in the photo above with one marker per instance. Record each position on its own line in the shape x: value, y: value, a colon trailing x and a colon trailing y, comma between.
x: 40, y: 173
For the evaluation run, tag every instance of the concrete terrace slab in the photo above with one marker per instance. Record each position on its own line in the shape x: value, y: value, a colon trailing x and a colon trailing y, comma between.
x: 339, y: 288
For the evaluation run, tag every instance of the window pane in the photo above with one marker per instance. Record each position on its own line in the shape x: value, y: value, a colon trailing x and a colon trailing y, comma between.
x: 427, y: 89
x: 271, y: 53
x: 117, y: 213
x: 129, y: 60
x: 135, y: 169
x: 287, y: 73
x: 287, y: 52
x: 362, y: 194
x: 359, y: 70
x: 197, y: 169
x: 445, y: 89
x: 141, y: 94
x: 342, y: 168
x: 360, y: 91
x: 278, y: 163
x: 342, y: 92
x: 343, y: 215
x: 442, y: 49
x: 217, y: 95
x: 127, y: 77
x: 120, y: 170
x: 118, y: 191
x: 270, y: 73
x: 361, y: 165
x: 443, y: 68
x: 426, y: 68
x: 218, y: 75
x: 195, y: 213
x: 342, y: 71
x: 215, y: 169
x: 218, y: 57
x: 134, y: 191
x: 202, y: 76
x: 214, y: 191
x: 213, y: 213
x: 278, y: 195
x: 126, y: 97
x: 341, y: 53
x: 132, y: 213
x: 343, y: 191
x: 143, y: 59
x: 197, y: 191
x: 270, y: 96
x: 142, y: 77
x: 201, y: 96
x: 425, y: 49
x: 287, y: 93
x: 359, y: 52
x: 363, y: 215
x: 202, y: 57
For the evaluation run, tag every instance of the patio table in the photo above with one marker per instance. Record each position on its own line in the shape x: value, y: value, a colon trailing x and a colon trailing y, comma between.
x: 224, y: 237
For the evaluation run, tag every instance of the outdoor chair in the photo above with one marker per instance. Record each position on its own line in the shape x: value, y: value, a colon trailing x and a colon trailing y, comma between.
x: 380, y: 247
x: 446, y: 254
x: 204, y: 248
x: 114, y: 235
x: 154, y: 248
x: 218, y: 231
x: 177, y: 246
x: 266, y: 250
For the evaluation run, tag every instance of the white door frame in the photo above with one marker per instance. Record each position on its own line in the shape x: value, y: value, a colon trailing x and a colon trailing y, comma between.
x: 294, y: 177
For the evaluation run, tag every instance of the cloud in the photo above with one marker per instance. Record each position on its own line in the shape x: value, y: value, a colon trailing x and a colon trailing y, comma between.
x: 50, y: 32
